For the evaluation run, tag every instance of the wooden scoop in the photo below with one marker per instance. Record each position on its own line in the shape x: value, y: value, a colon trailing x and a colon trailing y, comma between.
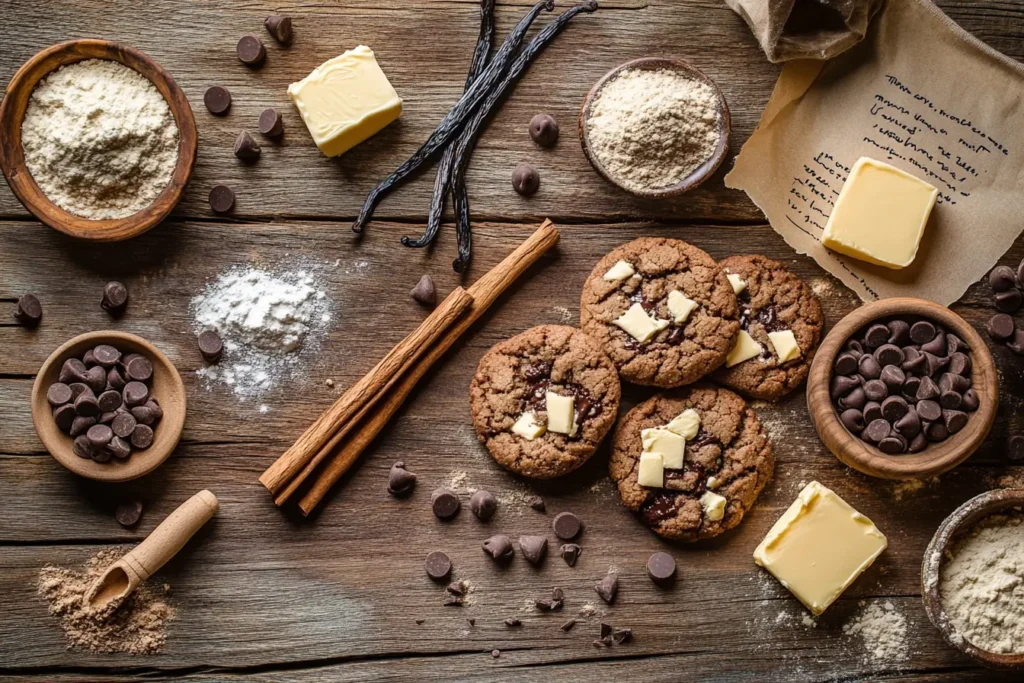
x: 125, y: 575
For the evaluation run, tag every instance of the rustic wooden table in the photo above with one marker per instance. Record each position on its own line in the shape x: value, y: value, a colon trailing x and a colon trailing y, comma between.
x: 263, y: 595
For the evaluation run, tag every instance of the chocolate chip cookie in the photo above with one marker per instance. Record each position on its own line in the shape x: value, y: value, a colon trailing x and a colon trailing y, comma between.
x: 543, y: 400
x: 712, y: 482
x: 780, y: 322
x: 663, y: 310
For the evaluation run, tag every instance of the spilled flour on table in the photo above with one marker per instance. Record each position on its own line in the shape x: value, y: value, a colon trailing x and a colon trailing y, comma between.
x: 883, y: 629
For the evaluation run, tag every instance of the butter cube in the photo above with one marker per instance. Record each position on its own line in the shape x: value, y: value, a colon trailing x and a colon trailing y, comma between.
x: 880, y: 215
x: 744, y: 349
x: 560, y: 413
x: 819, y: 546
x: 785, y: 345
x: 345, y: 100
x: 714, y: 505
x: 680, y: 306
x: 527, y: 427
x: 738, y: 283
x: 619, y: 272
x: 639, y: 325
x: 669, y: 445
x: 651, y: 470
x: 686, y: 424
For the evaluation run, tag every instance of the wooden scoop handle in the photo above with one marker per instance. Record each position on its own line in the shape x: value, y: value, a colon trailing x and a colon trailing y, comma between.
x: 172, y: 533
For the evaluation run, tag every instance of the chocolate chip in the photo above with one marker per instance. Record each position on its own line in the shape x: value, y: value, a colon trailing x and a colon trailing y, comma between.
x: 544, y: 130
x: 246, y: 147
x: 927, y: 390
x: 553, y: 603
x: 893, y: 377
x: 123, y: 425
x: 87, y: 406
x: 852, y: 419
x: 64, y: 416
x: 142, y: 436
x: 846, y: 364
x: 533, y: 548
x: 914, y: 362
x: 401, y: 481
x: 1001, y: 278
x: 876, y: 335
x: 456, y: 588
x: 929, y: 410
x: 910, y: 424
x: 950, y: 382
x: 495, y: 653
x: 119, y: 448
x: 1016, y: 343
x: 918, y: 443
x: 58, y: 394
x: 1008, y: 301
x: 955, y: 420
x: 139, y: 369
x: 889, y: 354
x: 607, y: 588
x: 144, y: 415
x: 445, y: 503
x: 960, y: 364
x: 525, y: 180
x: 499, y: 547
x: 872, y: 411
x: 222, y: 198
x: 424, y: 291
x: 937, y: 346
x: 72, y: 371
x: 128, y: 513
x: 115, y: 298
x: 438, y: 565
x: 955, y: 343
x: 894, y: 407
x: 922, y: 332
x: 661, y: 568
x: 1000, y: 326
x: 1015, y: 448
x: 250, y: 50
x: 537, y: 503
x: 511, y: 622
x: 566, y: 526
x: 891, y: 445
x: 217, y: 99
x: 910, y: 387
x: 135, y: 394
x: 29, y: 311
x: 875, y: 390
x: 568, y: 626
x: 570, y: 553
x: 621, y: 636
x: 115, y: 380
x: 951, y: 400
x: 271, y: 124
x: 81, y: 447
x: 108, y: 417
x: 854, y: 348
x: 80, y: 425
x: 899, y: 332
x: 855, y: 399
x: 876, y: 431
x: 483, y: 504
x: 99, y: 435
x: 280, y: 27
x: 936, y: 431
x: 970, y: 402
x: 842, y: 385
x: 96, y: 379
x: 933, y: 364
x: 869, y: 367
x: 109, y: 401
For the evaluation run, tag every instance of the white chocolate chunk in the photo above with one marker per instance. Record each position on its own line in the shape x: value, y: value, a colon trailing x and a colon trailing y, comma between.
x: 744, y: 349
x: 669, y: 445
x: 680, y: 306
x: 738, y: 284
x: 527, y: 427
x: 785, y: 345
x: 686, y: 424
x: 713, y: 482
x: 639, y: 325
x: 651, y: 471
x: 714, y: 505
x: 560, y: 413
x: 619, y: 272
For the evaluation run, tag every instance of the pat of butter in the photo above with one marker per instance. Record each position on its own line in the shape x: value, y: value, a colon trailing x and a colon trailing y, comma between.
x: 880, y: 215
x: 639, y: 325
x: 686, y: 424
x: 738, y: 284
x: 714, y: 505
x: 345, y: 100
x: 744, y: 349
x: 527, y: 427
x: 651, y: 470
x: 669, y: 445
x: 680, y: 306
x: 819, y: 546
x: 560, y: 413
x: 785, y: 345
x: 619, y: 272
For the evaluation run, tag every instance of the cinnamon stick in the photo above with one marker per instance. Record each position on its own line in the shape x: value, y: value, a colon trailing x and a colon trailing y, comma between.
x: 484, y: 293
x: 366, y: 392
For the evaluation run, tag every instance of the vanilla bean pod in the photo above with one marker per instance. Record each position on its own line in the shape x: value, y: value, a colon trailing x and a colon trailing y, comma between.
x: 474, y: 127
x: 443, y: 181
x: 456, y: 117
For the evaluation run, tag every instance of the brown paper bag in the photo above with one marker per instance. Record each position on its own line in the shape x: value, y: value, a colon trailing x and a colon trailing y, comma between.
x: 806, y: 29
x: 923, y: 95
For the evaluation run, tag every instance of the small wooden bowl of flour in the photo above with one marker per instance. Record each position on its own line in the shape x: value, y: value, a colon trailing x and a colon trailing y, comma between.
x: 655, y: 127
x: 966, y: 573
x: 74, y: 205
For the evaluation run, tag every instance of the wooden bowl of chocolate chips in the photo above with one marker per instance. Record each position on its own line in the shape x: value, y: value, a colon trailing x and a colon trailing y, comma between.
x: 902, y: 389
x: 108, y: 406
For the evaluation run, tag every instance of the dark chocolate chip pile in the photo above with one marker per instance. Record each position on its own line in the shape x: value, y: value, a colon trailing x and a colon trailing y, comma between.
x: 1006, y: 292
x: 903, y: 383
x: 104, y: 402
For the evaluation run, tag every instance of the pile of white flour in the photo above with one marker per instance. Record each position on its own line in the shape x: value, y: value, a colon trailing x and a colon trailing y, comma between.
x: 265, y: 320
x: 883, y: 628
x: 99, y: 139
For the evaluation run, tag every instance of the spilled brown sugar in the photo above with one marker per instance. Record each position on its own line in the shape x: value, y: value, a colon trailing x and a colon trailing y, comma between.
x: 138, y: 627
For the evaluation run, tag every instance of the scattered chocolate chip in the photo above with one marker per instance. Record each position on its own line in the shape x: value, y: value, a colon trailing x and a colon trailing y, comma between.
x: 271, y: 124
x: 483, y: 504
x: 537, y: 503
x: 1015, y: 448
x: 606, y: 630
x: 499, y: 547
x: 280, y: 27
x: 419, y: 622
x: 217, y: 99
x: 438, y: 565
x: 607, y: 588
x: 445, y: 503
x: 452, y: 601
x: 553, y: 603
x: 1001, y: 278
x: 222, y: 198
x: 472, y: 621
x: 603, y: 642
x: 525, y: 180
x: 533, y: 548
x: 566, y: 526
x: 142, y: 437
x: 922, y: 332
x: 246, y: 147
x: 128, y: 513
x: 457, y: 588
x: 29, y: 311
x: 250, y: 50
x: 1016, y: 343
x: 1008, y: 301
x: 511, y: 622
x: 621, y: 636
x: 424, y: 291
x: 401, y: 481
x: 568, y: 626
x: 661, y: 568
x: 544, y: 130
x: 115, y: 298
x: 210, y: 345
x: 570, y: 553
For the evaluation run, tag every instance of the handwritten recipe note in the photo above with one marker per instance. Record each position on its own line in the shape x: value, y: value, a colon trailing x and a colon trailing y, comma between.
x: 919, y: 94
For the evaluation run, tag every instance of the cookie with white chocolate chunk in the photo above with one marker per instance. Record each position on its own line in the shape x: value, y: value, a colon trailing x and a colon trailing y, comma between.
x: 781, y: 323
x: 691, y: 463
x: 543, y: 400
x: 663, y: 310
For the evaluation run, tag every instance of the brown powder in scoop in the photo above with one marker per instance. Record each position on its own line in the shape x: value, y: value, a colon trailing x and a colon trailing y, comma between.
x: 137, y: 627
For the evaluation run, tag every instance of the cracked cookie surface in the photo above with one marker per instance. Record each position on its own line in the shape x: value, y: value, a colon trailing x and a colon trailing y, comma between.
x: 774, y: 300
x: 514, y: 377
x: 731, y: 445
x: 681, y: 353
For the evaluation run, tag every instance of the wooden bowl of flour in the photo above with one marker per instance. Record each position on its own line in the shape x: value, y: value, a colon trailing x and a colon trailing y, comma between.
x: 12, y: 158
x: 697, y: 175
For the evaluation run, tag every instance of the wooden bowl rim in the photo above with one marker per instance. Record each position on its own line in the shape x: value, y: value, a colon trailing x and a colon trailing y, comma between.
x: 702, y: 172
x: 935, y: 459
x: 141, y: 462
x: 962, y: 519
x: 12, y: 159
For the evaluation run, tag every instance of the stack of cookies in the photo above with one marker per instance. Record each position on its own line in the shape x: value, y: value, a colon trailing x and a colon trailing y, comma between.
x: 662, y: 313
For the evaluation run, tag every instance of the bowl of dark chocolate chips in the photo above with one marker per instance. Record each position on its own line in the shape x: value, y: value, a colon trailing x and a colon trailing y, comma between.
x: 902, y: 389
x: 108, y: 406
